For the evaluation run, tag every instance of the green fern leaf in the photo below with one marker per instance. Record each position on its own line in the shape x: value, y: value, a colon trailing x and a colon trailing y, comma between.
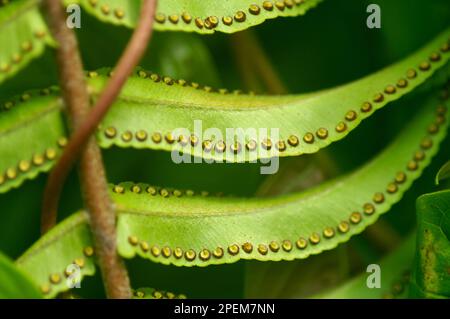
x: 172, y: 227
x: 198, y: 15
x: 431, y: 271
x: 32, y: 134
x: 151, y: 293
x: 140, y: 118
x: 151, y: 107
x: 61, y: 256
x: 51, y: 262
x: 298, y: 278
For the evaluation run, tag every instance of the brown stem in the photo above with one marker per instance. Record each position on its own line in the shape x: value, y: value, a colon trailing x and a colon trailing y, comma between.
x: 92, y: 172
x: 248, y: 50
x: 133, y: 53
x: 250, y: 78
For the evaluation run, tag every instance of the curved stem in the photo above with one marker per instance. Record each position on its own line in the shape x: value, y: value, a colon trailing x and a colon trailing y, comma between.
x: 252, y: 58
x: 129, y: 59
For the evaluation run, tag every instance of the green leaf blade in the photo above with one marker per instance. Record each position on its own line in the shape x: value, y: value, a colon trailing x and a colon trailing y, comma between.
x: 47, y: 261
x: 146, y: 111
x: 32, y: 134
x: 199, y: 16
x: 185, y: 230
x: 235, y: 228
x: 151, y: 293
x: 151, y: 108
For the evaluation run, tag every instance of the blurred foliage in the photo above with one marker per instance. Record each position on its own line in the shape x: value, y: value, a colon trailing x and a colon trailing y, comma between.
x: 431, y: 277
x: 13, y: 283
x: 443, y: 173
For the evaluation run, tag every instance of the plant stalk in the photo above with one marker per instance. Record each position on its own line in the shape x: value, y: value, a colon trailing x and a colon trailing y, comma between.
x: 84, y: 123
x: 251, y: 58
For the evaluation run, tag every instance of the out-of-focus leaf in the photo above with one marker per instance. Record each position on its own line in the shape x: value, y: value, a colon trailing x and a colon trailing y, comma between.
x: 14, y: 283
x: 394, y: 277
x: 23, y: 36
x: 182, y: 56
x: 431, y: 278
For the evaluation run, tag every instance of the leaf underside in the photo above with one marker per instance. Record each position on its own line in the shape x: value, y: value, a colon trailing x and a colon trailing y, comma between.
x: 32, y: 135
x: 70, y: 243
x: 23, y: 36
x: 198, y: 15
x: 186, y: 229
x: 432, y: 261
x: 162, y: 115
x: 47, y: 261
x: 151, y: 293
x: 194, y: 230
x: 215, y: 230
x: 300, y: 278
x: 151, y: 107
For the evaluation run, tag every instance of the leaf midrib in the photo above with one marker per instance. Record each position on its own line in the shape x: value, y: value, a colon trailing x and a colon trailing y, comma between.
x: 32, y: 118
